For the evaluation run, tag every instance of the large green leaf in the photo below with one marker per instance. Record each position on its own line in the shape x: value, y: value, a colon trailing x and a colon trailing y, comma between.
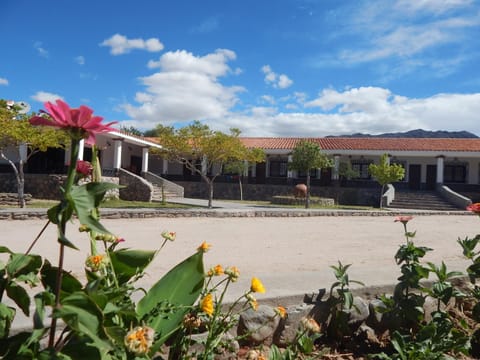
x: 70, y: 284
x: 7, y: 314
x: 84, y: 317
x: 20, y: 264
x: 127, y: 263
x: 20, y: 296
x: 179, y: 288
x: 85, y: 199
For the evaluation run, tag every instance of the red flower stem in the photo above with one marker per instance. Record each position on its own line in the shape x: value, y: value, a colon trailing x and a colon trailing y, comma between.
x: 75, y: 146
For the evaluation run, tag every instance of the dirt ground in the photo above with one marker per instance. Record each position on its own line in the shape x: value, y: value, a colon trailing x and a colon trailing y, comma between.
x: 290, y: 255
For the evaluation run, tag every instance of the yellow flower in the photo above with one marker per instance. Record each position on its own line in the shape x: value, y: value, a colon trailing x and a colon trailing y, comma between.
x: 216, y: 271
x: 257, y: 286
x: 233, y: 273
x: 252, y: 301
x: 204, y: 247
x: 95, y: 262
x: 169, y: 235
x: 281, y: 311
x: 139, y: 340
x: 206, y: 305
x: 310, y: 324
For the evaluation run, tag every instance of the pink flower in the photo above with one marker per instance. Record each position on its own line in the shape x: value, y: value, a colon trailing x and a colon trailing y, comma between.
x: 84, y: 168
x: 403, y: 219
x: 475, y: 208
x: 62, y: 116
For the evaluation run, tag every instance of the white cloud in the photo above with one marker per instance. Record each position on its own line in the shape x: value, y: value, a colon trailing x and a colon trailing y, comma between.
x: 41, y: 51
x: 360, y: 110
x: 3, y: 81
x: 120, y: 44
x: 80, y: 60
x: 403, y: 36
x: 279, y: 81
x: 432, y: 6
x: 43, y: 96
x: 212, y: 65
x: 186, y: 88
x: 267, y: 99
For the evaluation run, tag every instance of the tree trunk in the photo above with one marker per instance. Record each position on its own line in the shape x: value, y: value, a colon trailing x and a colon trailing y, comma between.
x: 210, y: 193
x: 307, y: 197
x: 19, y: 176
x: 381, y: 196
x: 21, y: 185
x: 241, y: 188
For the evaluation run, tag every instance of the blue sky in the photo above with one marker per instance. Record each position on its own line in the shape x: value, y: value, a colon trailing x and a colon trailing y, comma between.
x: 269, y: 68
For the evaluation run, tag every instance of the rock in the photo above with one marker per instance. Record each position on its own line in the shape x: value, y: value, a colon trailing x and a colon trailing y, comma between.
x: 376, y: 318
x: 288, y: 327
x: 258, y: 326
x: 358, y: 313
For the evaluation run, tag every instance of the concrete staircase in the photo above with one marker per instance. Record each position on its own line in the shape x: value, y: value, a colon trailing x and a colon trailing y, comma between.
x: 170, y: 189
x: 421, y: 200
x: 168, y: 193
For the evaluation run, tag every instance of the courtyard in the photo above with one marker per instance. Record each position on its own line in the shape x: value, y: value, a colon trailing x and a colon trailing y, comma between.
x: 291, y: 255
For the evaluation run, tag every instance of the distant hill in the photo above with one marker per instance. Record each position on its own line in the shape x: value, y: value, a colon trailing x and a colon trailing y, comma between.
x: 418, y: 133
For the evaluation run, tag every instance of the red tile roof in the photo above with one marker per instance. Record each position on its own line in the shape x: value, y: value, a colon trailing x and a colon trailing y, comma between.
x: 388, y: 144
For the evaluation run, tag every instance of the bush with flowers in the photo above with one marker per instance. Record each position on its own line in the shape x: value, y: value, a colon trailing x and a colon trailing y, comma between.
x: 98, y: 319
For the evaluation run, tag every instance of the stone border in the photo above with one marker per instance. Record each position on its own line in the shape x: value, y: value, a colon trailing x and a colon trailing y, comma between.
x: 31, y: 214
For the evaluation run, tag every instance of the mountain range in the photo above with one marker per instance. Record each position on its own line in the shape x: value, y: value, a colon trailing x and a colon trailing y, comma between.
x: 418, y: 133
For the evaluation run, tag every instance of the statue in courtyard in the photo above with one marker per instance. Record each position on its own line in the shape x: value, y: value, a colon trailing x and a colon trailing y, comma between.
x: 300, y: 191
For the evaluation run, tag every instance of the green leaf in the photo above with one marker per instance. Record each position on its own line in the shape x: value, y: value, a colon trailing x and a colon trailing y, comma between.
x: 180, y: 287
x: 45, y: 298
x: 83, y: 316
x: 4, y: 249
x: 70, y: 284
x: 20, y: 264
x: 20, y: 296
x: 7, y: 314
x: 127, y: 263
x: 85, y: 199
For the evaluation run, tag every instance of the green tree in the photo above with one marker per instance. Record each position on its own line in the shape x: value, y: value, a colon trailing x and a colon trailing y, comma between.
x: 132, y: 130
x: 239, y: 167
x: 198, y: 143
x: 23, y: 140
x: 385, y: 173
x: 305, y: 157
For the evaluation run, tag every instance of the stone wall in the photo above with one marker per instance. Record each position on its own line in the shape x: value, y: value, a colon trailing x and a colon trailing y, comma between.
x: 40, y: 186
x: 43, y: 186
x: 135, y: 188
x: 231, y: 191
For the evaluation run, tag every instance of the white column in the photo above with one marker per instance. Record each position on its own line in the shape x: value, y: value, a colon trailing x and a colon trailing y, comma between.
x: 267, y: 168
x: 336, y: 167
x: 165, y: 166
x: 23, y: 151
x: 245, y: 170
x: 144, y: 159
x: 388, y: 159
x: 117, y: 154
x: 204, y: 165
x: 254, y: 170
x: 440, y: 160
x: 80, y: 149
x: 290, y: 172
